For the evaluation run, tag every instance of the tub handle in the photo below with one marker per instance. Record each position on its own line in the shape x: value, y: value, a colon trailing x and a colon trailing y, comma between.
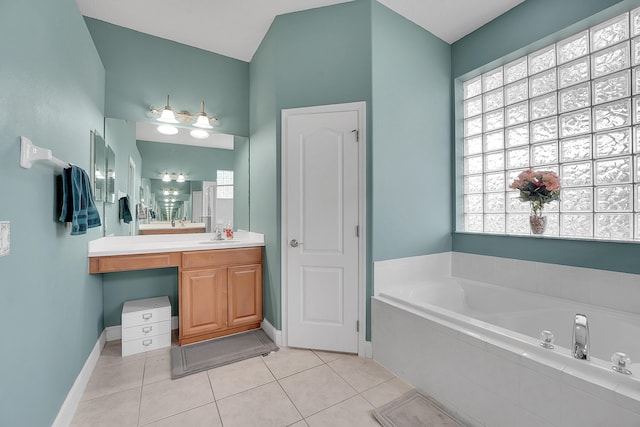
x: 547, y: 339
x: 621, y: 361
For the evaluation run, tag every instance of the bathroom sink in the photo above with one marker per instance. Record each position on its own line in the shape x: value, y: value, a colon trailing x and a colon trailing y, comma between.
x: 214, y: 242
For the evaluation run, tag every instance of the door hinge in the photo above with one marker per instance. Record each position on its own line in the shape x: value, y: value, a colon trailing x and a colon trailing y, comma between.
x: 357, y: 326
x: 357, y: 231
x: 357, y: 132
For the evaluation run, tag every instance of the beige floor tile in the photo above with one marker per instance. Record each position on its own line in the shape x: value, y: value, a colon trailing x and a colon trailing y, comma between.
x: 238, y: 377
x: 316, y: 389
x: 157, y: 367
x: 114, y: 377
x: 386, y: 392
x: 352, y: 412
x: 112, y: 354
x: 288, y: 361
x: 203, y: 416
x: 328, y: 356
x: 264, y: 406
x: 360, y: 372
x: 170, y: 397
x: 117, y: 409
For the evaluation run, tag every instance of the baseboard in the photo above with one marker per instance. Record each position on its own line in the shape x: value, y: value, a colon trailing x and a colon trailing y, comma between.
x: 70, y: 404
x: 115, y: 332
x: 273, y: 333
x: 365, y: 350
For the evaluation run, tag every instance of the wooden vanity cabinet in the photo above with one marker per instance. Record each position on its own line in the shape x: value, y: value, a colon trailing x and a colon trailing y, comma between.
x: 220, y: 293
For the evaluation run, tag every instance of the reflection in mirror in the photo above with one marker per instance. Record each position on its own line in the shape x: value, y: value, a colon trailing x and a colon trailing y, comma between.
x: 215, y: 190
x: 111, y: 176
x: 98, y: 162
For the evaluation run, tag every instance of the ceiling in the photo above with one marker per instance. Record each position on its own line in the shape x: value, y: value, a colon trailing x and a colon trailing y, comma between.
x: 235, y: 28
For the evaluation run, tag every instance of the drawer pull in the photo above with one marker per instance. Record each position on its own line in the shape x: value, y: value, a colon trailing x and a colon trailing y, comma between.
x: 147, y: 343
x: 147, y: 316
x: 147, y: 329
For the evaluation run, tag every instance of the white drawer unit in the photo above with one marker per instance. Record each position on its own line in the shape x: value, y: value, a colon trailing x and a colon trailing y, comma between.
x: 146, y: 325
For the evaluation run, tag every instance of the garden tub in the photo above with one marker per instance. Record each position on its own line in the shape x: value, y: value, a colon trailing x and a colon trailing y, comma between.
x: 475, y: 348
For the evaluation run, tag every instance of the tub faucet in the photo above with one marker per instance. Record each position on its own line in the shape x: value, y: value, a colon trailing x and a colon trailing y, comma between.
x: 580, y: 347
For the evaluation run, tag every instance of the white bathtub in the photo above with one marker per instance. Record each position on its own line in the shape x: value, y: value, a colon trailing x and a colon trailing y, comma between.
x: 475, y: 348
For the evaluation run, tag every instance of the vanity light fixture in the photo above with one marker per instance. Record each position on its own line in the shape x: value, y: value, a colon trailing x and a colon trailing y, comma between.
x: 167, y: 115
x: 166, y: 177
x: 175, y: 192
x: 180, y: 177
x: 203, y: 119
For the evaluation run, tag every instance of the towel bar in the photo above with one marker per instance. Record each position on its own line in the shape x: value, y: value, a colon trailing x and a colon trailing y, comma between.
x: 29, y: 154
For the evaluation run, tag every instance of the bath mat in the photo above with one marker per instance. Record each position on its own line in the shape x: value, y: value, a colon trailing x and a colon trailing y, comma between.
x: 413, y: 410
x: 192, y: 358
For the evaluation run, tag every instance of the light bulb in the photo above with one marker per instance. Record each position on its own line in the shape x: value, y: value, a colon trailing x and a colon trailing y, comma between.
x: 166, y: 193
x: 203, y: 120
x: 167, y: 129
x: 167, y: 116
x: 166, y: 177
x: 180, y: 178
x: 175, y: 192
x: 199, y: 133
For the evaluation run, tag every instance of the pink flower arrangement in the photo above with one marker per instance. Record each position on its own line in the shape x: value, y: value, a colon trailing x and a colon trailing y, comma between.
x: 537, y: 187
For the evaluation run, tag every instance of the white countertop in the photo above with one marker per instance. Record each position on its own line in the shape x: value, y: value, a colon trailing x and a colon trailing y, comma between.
x: 127, y: 245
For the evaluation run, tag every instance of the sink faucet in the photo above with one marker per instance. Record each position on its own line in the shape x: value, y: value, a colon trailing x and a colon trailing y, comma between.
x: 173, y: 222
x: 580, y: 348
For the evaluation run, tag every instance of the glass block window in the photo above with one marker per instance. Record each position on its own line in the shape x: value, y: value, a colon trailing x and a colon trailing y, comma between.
x: 572, y: 107
x: 224, y: 181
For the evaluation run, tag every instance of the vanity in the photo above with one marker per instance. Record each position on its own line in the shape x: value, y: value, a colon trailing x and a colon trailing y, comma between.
x: 219, y: 281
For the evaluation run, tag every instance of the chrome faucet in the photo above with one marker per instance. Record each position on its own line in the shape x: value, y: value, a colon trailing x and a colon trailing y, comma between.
x: 580, y: 348
x: 173, y: 222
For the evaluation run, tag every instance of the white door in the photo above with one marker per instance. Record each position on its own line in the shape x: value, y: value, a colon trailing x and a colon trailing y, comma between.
x: 321, y: 232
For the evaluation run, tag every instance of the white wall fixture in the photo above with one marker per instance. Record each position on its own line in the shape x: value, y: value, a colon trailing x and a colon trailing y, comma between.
x: 5, y: 237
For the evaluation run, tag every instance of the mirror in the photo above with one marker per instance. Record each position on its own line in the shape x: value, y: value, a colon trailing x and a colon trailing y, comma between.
x: 220, y: 159
x: 111, y: 176
x: 98, y: 162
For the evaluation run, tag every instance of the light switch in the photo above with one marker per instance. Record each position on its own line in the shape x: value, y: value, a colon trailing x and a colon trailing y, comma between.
x: 4, y: 237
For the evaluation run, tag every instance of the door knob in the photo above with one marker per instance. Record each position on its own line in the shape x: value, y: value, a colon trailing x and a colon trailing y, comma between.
x: 294, y: 243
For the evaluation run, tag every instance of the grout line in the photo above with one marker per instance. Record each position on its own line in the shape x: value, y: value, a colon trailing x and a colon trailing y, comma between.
x: 144, y: 368
x: 292, y: 402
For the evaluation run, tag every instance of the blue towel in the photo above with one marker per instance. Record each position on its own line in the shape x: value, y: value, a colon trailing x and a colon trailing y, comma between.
x: 125, y: 212
x: 77, y: 198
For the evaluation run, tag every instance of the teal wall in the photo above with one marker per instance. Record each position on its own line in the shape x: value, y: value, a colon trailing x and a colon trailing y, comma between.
x: 411, y: 145
x: 203, y: 161
x: 315, y: 57
x: 241, y: 164
x: 130, y: 285
x: 52, y: 85
x: 264, y: 207
x: 143, y: 69
x: 120, y: 135
x: 526, y: 27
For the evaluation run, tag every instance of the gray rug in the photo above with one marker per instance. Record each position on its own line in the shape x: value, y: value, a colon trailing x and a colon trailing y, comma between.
x: 192, y: 358
x: 413, y: 410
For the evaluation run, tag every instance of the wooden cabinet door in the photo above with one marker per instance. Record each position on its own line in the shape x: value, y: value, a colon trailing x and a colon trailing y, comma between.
x: 203, y: 301
x: 244, y: 294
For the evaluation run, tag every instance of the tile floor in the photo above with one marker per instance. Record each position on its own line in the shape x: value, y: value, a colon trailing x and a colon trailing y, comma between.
x: 291, y: 387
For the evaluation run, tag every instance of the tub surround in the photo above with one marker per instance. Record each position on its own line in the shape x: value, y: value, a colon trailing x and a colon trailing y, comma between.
x: 485, y: 374
x: 219, y: 282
